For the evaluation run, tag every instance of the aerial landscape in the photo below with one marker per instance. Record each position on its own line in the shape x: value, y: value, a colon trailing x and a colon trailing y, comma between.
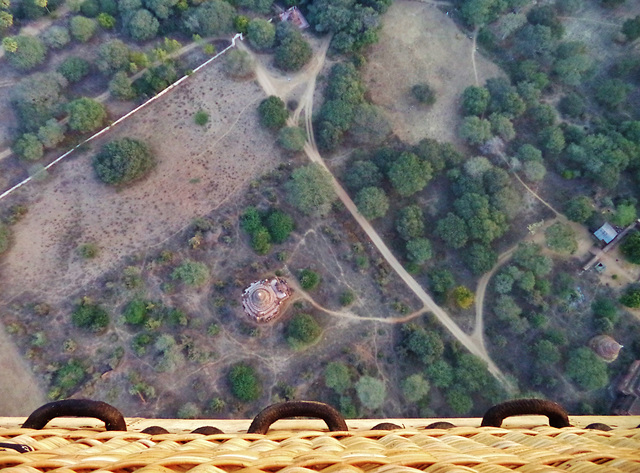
x: 400, y: 208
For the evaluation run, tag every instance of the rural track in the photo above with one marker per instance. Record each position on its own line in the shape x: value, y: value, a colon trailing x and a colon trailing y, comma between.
x: 475, y: 347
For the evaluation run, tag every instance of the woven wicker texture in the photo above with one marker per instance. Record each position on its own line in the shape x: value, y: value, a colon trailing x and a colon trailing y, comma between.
x: 456, y: 450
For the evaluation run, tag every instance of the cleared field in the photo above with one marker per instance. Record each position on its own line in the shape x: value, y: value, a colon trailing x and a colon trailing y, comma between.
x: 198, y: 169
x: 419, y: 43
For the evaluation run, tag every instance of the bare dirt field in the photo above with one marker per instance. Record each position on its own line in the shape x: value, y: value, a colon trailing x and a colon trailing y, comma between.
x: 197, y: 170
x: 419, y: 43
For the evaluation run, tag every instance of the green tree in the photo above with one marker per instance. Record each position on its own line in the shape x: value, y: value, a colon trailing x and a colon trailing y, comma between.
x: 475, y: 131
x: 302, y: 330
x: 238, y: 64
x: 605, y: 308
x: 631, y: 297
x: 546, y: 353
x: 86, y: 114
x: 579, y: 209
x: 280, y: 225
x: 192, y: 273
x: 123, y: 161
x: 211, y: 18
x: 534, y: 171
x: 143, y: 26
x: 625, y: 214
x: 612, y: 92
x: 561, y: 238
x: 106, y: 21
x: 506, y: 308
x: 572, y: 105
x: 113, y: 56
x: 28, y: 147
x: 261, y: 241
x: 371, y: 391
x: 419, y: 250
x: 251, y: 220
x: 261, y: 34
x: 292, y: 52
x: 74, y: 69
x: 441, y: 280
x: 56, y: 37
x: 310, y: 190
x: 410, y: 222
x: 459, y: 400
x: 370, y: 125
x: 273, y: 112
x: 586, y: 369
x: 475, y: 100
x: 292, y: 138
x: 51, y: 133
x: 337, y: 377
x: 423, y: 93
x: 480, y: 258
x: 372, y: 202
x: 244, y: 382
x: 463, y: 297
x: 68, y: 376
x: 630, y: 247
x: 37, y: 98
x: 415, y: 387
x: 362, y: 174
x: 201, y: 118
x: 135, y: 313
x: 409, y: 175
x: 90, y: 316
x: 426, y: 345
x: 501, y: 126
x: 28, y: 53
x: 631, y: 28
x: 161, y: 8
x: 82, y: 28
x: 309, y: 279
x: 452, y: 230
x: 120, y: 86
x: 440, y: 373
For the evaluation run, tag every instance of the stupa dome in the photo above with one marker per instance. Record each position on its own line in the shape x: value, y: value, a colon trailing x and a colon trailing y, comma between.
x: 605, y: 347
x: 262, y: 300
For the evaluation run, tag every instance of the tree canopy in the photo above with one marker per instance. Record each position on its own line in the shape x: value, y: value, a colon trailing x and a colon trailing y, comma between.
x: 561, y: 238
x: 273, y: 112
x: 244, y: 382
x: 586, y: 369
x: 372, y: 202
x: 310, y: 190
x: 29, y: 52
x: 86, y: 114
x: 123, y: 161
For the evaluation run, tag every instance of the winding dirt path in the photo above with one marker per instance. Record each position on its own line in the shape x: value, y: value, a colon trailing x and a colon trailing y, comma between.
x: 474, y: 346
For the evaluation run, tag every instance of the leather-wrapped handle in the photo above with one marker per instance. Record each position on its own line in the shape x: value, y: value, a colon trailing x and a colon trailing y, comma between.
x: 284, y: 410
x: 108, y: 414
x: 521, y: 407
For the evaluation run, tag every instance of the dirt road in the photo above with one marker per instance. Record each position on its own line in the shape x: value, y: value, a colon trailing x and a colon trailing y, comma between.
x: 20, y: 393
x: 474, y: 346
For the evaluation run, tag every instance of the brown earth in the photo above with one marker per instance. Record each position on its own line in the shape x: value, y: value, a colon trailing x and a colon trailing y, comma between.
x: 198, y: 169
x: 420, y: 43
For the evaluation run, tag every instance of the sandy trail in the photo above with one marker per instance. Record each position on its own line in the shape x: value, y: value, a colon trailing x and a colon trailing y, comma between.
x: 474, y: 346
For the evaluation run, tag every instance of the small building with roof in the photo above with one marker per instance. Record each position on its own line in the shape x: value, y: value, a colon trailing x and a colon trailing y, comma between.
x: 294, y: 16
x: 263, y: 300
x: 605, y: 347
x: 606, y: 233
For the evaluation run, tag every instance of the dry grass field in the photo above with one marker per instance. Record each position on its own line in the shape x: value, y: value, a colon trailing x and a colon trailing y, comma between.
x: 198, y: 169
x: 420, y: 43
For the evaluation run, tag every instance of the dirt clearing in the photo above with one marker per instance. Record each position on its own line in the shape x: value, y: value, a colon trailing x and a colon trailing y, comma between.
x: 419, y: 43
x: 198, y: 169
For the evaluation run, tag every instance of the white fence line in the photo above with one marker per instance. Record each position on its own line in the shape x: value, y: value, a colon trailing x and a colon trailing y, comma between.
x: 124, y: 117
